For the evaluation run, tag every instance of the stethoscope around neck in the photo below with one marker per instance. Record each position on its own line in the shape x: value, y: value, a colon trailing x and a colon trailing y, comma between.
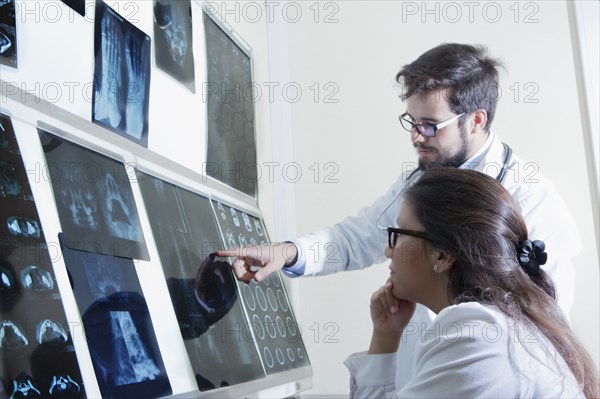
x: 499, y: 178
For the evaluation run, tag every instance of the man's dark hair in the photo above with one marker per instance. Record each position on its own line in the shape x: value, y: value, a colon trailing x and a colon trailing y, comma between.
x: 469, y: 73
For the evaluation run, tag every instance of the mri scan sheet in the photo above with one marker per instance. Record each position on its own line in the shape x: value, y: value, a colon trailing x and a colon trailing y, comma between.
x: 94, y: 200
x: 117, y: 324
x: 36, y: 350
x: 270, y: 315
x: 121, y: 75
x: 203, y: 290
x: 173, y: 40
x: 231, y: 148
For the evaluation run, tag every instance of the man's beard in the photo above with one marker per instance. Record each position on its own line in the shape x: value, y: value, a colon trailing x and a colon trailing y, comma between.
x: 449, y: 162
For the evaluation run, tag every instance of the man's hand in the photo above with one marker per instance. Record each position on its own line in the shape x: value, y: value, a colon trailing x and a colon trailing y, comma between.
x: 256, y: 262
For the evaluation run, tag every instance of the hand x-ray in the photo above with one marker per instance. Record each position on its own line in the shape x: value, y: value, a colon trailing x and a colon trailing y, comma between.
x: 94, y: 199
x: 173, y: 42
x: 121, y: 76
x: 37, y: 358
x: 8, y: 34
x: 231, y: 149
x: 117, y: 324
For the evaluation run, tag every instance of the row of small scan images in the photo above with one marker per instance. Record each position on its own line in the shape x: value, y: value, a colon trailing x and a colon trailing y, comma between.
x: 47, y: 332
x: 61, y: 386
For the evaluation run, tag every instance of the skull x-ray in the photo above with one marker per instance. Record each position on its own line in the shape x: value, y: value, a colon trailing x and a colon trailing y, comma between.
x: 203, y: 289
x: 35, y: 344
x: 94, y: 200
x: 231, y: 149
x: 122, y: 75
x: 8, y: 34
x: 173, y: 42
x: 117, y: 324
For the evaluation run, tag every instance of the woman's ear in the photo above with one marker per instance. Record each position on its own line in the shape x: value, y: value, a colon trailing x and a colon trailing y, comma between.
x: 445, y: 262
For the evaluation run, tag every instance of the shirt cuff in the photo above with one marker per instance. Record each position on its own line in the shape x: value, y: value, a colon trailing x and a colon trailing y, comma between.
x: 298, y: 268
x: 372, y: 370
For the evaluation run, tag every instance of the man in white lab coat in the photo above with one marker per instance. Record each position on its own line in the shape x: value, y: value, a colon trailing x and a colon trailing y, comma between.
x: 451, y: 93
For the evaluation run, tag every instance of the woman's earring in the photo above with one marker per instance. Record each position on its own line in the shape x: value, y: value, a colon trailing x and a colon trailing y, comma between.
x: 435, y: 268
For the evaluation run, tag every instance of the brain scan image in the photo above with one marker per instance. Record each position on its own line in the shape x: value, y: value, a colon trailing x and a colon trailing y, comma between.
x: 23, y: 227
x: 221, y: 211
x: 9, y: 184
x: 82, y: 206
x: 242, y: 240
x: 36, y: 278
x: 258, y: 227
x: 247, y: 223
x: 24, y: 388
x: 50, y: 332
x: 235, y: 218
x: 7, y: 282
x: 64, y: 387
x: 11, y: 336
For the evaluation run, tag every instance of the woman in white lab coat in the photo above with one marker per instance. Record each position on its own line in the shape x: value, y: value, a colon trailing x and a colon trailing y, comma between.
x: 461, y: 249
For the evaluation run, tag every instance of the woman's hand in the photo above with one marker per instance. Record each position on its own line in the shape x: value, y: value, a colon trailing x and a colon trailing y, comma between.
x: 390, y: 316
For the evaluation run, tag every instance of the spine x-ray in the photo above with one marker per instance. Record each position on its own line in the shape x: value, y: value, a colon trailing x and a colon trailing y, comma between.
x: 121, y: 76
x: 8, y: 34
x: 94, y: 199
x: 117, y: 325
x: 173, y: 40
x: 37, y: 358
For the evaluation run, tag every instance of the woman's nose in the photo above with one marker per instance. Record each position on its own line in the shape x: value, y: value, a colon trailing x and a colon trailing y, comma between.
x: 388, y: 252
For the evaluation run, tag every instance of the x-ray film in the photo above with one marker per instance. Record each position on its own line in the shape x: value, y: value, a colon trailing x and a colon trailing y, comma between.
x: 173, y: 40
x: 8, y: 34
x: 270, y: 314
x: 77, y: 5
x: 121, y: 76
x: 94, y: 200
x: 36, y: 351
x: 203, y: 290
x: 231, y: 148
x: 117, y: 324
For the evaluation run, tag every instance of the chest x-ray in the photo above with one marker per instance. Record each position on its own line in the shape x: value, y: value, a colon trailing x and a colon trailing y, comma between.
x: 94, y: 200
x: 270, y: 316
x: 173, y: 42
x: 121, y: 76
x: 203, y: 289
x: 231, y: 148
x: 118, y: 328
x: 37, y: 358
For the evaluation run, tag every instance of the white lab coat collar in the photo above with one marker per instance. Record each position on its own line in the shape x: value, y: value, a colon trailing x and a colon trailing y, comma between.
x: 489, y: 158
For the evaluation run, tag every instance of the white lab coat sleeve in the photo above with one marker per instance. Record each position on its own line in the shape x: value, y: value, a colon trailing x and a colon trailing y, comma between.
x: 355, y: 243
x: 372, y: 376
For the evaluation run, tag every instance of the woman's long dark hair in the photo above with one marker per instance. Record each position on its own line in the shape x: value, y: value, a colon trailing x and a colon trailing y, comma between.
x: 472, y: 217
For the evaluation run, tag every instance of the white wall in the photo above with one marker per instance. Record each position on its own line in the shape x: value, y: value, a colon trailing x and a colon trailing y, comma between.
x: 356, y: 133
